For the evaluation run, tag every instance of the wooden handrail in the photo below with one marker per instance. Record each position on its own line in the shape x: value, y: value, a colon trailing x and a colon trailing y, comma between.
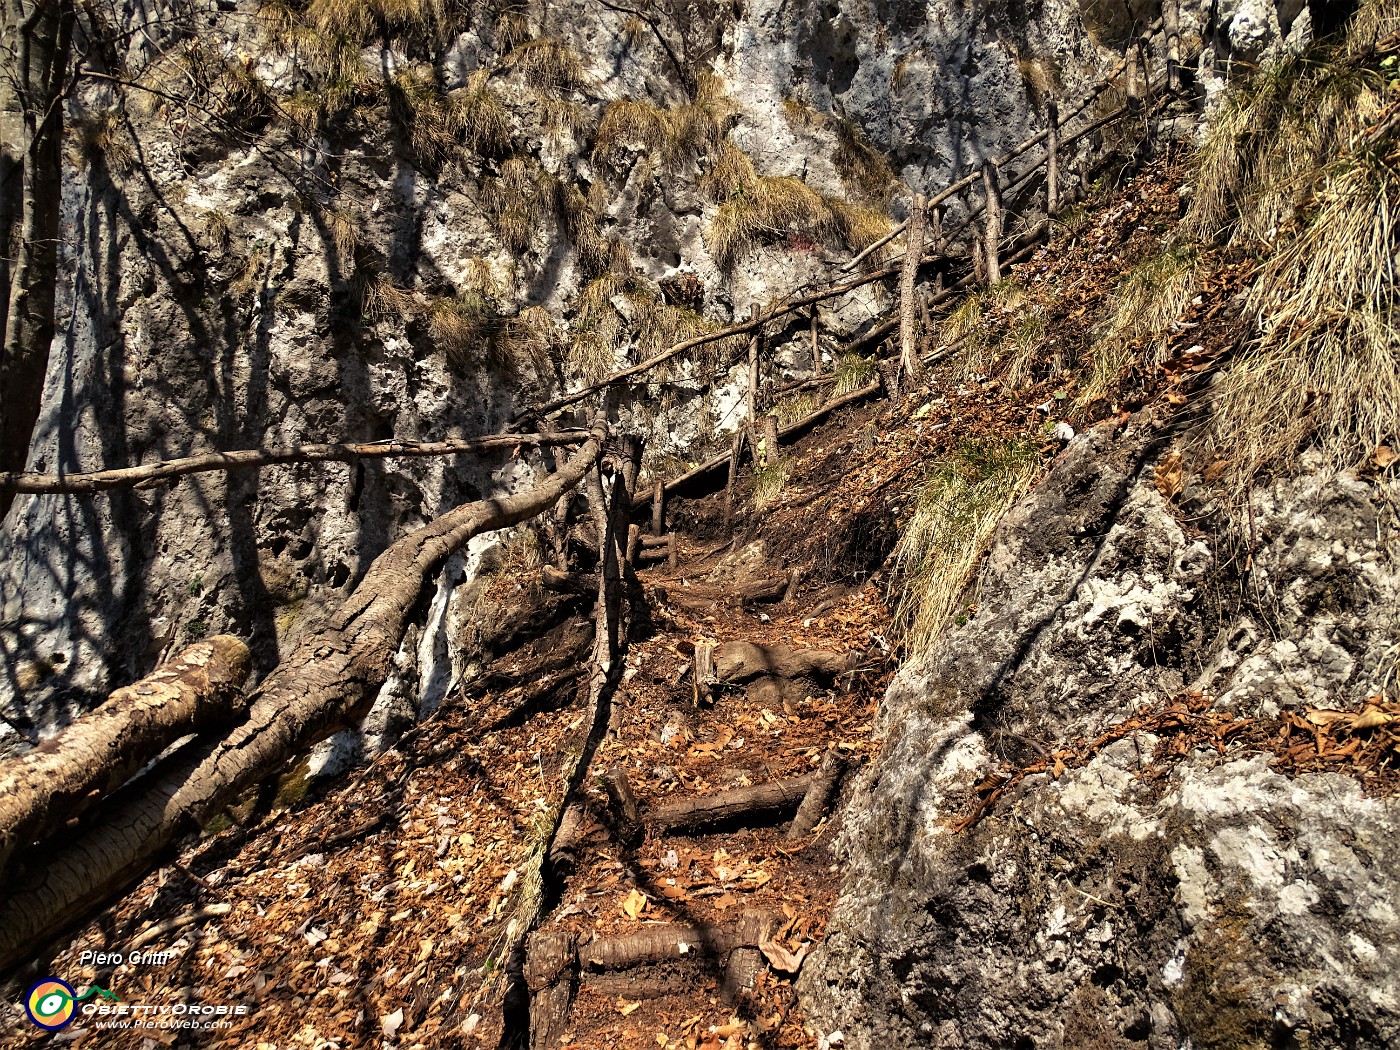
x: 166, y: 471
x: 1006, y: 158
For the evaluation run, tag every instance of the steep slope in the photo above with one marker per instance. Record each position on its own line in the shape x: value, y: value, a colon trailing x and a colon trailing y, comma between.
x: 1140, y: 794
x: 333, y: 222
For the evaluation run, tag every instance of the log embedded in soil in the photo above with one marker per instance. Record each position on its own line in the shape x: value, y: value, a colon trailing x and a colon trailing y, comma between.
x: 327, y: 682
x: 200, y: 689
x: 670, y: 942
x: 759, y: 804
x: 551, y: 979
x: 245, y: 459
x: 627, y: 816
x: 739, y: 661
x: 818, y: 797
x: 568, y: 839
x: 551, y: 579
x: 703, y: 677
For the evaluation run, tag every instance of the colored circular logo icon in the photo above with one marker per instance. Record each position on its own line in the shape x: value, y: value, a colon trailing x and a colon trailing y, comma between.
x: 51, y: 1004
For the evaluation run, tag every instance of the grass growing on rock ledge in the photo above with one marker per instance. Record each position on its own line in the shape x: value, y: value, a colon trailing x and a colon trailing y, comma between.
x: 1303, y: 165
x: 954, y: 514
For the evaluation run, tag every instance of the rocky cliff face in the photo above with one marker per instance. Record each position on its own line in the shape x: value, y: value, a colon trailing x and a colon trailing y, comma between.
x: 1147, y: 897
x: 227, y: 289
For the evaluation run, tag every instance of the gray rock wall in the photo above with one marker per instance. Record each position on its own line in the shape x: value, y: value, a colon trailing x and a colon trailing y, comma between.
x: 1227, y: 905
x: 205, y: 306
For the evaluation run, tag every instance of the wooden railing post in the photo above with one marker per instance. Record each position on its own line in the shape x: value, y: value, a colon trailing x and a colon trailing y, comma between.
x: 935, y: 239
x: 816, y: 350
x: 1144, y: 50
x: 658, y: 508
x: 752, y: 400
x: 992, y: 244
x: 1052, y: 161
x: 1132, y: 74
x: 1171, y: 25
x: 913, y: 253
x: 770, y: 439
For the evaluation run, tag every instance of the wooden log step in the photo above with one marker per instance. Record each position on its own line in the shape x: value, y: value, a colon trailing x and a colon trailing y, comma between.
x: 740, y: 661
x: 670, y: 942
x: 766, y: 803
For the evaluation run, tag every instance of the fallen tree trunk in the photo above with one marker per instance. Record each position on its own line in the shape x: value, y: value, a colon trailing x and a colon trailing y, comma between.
x: 740, y: 661
x: 170, y: 469
x: 769, y: 802
x: 199, y: 689
x: 327, y: 682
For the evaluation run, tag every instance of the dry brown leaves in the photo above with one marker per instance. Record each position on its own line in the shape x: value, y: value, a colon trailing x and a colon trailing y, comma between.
x: 1364, y: 743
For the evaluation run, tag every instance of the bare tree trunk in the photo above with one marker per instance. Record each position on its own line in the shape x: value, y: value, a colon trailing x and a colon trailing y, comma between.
x: 1052, y: 161
x: 198, y: 690
x: 992, y: 246
x: 11, y: 157
x: 327, y: 682
x: 39, y: 34
x: 913, y: 254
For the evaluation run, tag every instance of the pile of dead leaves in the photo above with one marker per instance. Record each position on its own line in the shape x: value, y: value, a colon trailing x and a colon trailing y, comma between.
x: 1364, y: 743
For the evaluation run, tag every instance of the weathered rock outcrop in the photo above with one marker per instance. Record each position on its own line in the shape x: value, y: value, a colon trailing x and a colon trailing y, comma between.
x: 207, y: 305
x: 1224, y: 904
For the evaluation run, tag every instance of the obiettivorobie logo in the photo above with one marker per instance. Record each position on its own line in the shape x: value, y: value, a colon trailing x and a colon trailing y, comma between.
x: 52, y: 1004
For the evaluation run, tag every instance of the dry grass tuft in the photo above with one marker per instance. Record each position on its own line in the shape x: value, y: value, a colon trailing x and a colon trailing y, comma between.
x: 1153, y: 295
x: 630, y: 124
x: 769, y: 480
x: 864, y: 170
x: 674, y: 137
x: 528, y: 337
x: 102, y: 138
x: 425, y: 116
x: 421, y: 24
x: 344, y: 229
x: 1325, y: 368
x: 519, y: 200
x: 857, y: 225
x: 853, y: 372
x: 464, y: 329
x: 768, y: 207
x: 381, y: 299
x: 796, y: 406
x: 1303, y: 164
x: 597, y: 335
x: 479, y: 117
x: 218, y: 226
x: 1020, y: 349
x: 549, y: 66
x: 957, y: 508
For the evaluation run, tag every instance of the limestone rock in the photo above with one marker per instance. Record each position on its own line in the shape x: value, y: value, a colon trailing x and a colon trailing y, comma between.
x: 1230, y: 905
